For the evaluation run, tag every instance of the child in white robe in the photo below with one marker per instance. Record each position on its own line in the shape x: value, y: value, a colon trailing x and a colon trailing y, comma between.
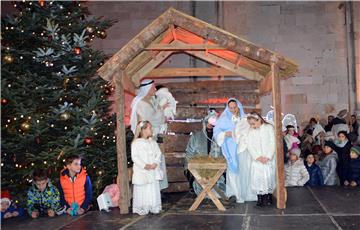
x: 146, y: 155
x: 260, y: 143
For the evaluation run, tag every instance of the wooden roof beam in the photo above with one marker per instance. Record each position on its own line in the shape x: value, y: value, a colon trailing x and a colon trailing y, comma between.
x: 183, y: 46
x: 189, y: 72
x: 240, y: 71
x: 225, y: 39
x: 127, y: 53
x: 153, y: 63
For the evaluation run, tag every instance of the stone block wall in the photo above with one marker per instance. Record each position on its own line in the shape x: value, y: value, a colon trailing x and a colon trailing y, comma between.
x: 311, y: 33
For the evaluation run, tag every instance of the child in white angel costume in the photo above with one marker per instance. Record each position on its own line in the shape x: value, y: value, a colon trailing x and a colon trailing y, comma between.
x: 147, y: 172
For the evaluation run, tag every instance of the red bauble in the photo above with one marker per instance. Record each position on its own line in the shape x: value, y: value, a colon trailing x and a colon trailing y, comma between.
x: 88, y: 141
x: 4, y: 101
x: 42, y: 3
x: 77, y: 50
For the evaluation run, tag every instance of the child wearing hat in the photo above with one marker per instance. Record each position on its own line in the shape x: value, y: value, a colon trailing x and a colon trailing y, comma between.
x: 353, y: 178
x: 295, y: 171
x: 328, y: 164
x: 9, y: 209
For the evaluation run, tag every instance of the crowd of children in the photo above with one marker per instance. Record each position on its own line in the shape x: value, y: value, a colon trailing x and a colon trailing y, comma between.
x: 73, y: 195
x: 331, y: 154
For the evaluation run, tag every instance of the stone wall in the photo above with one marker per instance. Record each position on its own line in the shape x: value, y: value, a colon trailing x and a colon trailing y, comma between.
x: 311, y: 33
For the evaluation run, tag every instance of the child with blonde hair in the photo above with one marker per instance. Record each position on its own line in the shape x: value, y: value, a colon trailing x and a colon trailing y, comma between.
x: 147, y: 173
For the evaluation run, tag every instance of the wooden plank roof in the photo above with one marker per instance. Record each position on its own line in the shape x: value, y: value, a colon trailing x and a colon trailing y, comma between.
x: 174, y: 32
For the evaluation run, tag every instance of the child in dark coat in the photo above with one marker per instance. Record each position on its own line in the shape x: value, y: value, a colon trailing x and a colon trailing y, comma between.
x: 353, y: 178
x: 316, y: 178
x: 342, y: 147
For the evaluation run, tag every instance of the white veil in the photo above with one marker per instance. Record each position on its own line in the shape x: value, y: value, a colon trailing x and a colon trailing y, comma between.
x: 143, y: 90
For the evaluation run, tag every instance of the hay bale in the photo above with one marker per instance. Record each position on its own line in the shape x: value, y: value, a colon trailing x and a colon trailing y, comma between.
x: 204, y: 172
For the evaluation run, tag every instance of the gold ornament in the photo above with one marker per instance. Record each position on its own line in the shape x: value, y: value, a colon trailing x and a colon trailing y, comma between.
x: 8, y: 58
x: 65, y: 116
x: 102, y: 34
x: 89, y: 29
x: 66, y: 82
x: 76, y: 80
x: 25, y: 126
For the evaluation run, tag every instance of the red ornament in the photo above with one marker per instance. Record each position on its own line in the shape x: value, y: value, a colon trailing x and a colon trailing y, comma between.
x: 88, y: 141
x: 4, y: 101
x: 77, y: 50
x: 50, y: 38
x: 42, y: 3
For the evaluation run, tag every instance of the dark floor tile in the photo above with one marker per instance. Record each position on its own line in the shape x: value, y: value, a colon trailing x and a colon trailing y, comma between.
x: 291, y: 222
x: 348, y: 222
x: 102, y: 220
x: 184, y: 222
x: 339, y: 200
x: 39, y: 223
x: 206, y: 206
x: 299, y: 201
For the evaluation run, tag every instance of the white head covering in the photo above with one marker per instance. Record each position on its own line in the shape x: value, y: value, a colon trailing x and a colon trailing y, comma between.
x: 143, y: 90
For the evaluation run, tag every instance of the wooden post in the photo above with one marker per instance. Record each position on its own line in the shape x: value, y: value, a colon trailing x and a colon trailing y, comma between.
x: 122, y: 177
x: 276, y: 97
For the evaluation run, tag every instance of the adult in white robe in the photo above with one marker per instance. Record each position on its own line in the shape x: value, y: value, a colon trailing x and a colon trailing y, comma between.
x: 144, y: 108
x: 260, y: 143
x: 242, y: 129
x: 224, y: 136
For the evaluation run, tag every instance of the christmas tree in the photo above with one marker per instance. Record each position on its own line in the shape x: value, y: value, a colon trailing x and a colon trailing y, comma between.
x: 53, y: 104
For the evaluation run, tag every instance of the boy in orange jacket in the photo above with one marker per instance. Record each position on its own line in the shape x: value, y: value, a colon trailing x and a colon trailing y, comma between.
x: 75, y: 187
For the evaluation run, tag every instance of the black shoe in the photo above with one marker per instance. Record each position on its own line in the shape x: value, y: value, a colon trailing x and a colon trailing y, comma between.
x: 260, y: 201
x: 232, y: 199
x: 268, y: 199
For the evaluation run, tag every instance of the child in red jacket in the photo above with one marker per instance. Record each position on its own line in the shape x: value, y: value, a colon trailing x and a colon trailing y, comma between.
x: 75, y: 187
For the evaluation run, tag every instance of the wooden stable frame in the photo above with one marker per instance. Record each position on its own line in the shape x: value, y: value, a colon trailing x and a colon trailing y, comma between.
x: 176, y: 32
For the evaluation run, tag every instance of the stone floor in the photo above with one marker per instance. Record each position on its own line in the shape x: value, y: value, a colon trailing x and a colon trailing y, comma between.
x: 316, y: 208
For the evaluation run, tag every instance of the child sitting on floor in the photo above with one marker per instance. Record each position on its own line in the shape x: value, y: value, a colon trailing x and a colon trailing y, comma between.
x: 316, y: 178
x: 75, y: 187
x: 295, y: 171
x: 353, y: 178
x: 43, y: 197
x: 9, y: 209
